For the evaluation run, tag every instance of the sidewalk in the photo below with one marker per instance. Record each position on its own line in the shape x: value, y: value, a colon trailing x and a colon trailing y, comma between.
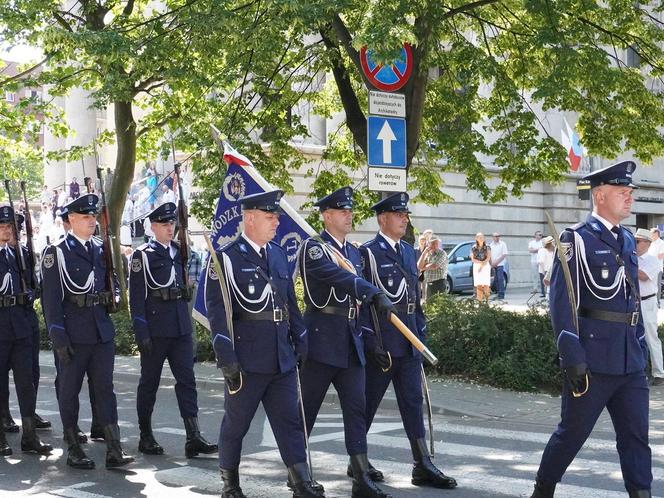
x: 448, y: 396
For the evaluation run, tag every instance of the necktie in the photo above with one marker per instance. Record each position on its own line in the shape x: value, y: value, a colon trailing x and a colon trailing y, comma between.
x: 88, y: 247
x: 397, y: 248
x: 263, y: 254
x: 618, y: 231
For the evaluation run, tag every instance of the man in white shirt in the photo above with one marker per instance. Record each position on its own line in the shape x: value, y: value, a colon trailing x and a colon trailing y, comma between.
x: 649, y: 268
x: 498, y: 259
x: 657, y: 250
x: 533, y: 248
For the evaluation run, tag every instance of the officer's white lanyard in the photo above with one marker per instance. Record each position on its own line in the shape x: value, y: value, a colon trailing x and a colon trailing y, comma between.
x: 401, y: 291
x: 263, y: 299
x: 67, y: 281
x: 329, y: 254
x: 152, y: 283
x: 580, y: 255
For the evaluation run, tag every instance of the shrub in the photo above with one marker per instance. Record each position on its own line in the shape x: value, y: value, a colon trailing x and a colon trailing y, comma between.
x: 492, y: 345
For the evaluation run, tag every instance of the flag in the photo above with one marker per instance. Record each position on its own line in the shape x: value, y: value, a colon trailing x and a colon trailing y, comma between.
x: 572, y: 145
x: 243, y: 179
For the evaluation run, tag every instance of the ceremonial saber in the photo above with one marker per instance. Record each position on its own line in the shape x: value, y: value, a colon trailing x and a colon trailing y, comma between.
x: 228, y: 305
x: 300, y: 400
x: 379, y: 334
x: 427, y: 398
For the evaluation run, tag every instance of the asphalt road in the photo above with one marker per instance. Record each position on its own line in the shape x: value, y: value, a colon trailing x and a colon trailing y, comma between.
x: 489, y: 458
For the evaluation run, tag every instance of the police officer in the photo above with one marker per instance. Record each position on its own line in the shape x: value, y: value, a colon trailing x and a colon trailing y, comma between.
x: 16, y: 336
x: 74, y: 298
x: 258, y: 356
x: 162, y: 326
x: 8, y: 421
x: 96, y: 432
x: 391, y: 265
x: 336, y: 347
x: 604, y: 358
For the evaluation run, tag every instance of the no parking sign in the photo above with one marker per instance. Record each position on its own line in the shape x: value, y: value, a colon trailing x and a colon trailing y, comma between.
x: 388, y: 78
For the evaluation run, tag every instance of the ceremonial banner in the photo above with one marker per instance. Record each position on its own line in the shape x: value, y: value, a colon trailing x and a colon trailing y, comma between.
x: 243, y: 179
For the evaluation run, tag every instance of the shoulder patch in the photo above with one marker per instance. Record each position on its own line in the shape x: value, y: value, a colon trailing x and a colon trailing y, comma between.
x: 136, y: 265
x: 566, y: 247
x: 49, y: 260
x: 315, y: 252
x: 213, y: 274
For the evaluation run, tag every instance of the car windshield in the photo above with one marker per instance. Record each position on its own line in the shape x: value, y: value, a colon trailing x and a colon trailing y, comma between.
x: 448, y: 247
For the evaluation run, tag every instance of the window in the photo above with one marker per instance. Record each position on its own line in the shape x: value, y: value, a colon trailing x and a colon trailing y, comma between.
x: 9, y: 96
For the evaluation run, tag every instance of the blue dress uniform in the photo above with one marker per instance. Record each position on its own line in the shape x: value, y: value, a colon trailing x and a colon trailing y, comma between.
x: 392, y: 267
x: 16, y: 340
x: 162, y: 327
x: 336, y: 348
x: 74, y: 299
x: 260, y: 353
x: 609, y: 343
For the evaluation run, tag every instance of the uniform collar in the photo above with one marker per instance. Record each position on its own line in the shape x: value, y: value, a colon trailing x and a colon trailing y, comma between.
x: 82, y: 241
x: 391, y: 242
x: 253, y: 244
x: 340, y: 244
x: 604, y: 221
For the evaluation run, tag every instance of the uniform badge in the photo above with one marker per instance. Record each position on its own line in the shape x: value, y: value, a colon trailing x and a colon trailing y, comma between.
x: 566, y: 247
x: 213, y: 274
x: 136, y: 265
x: 251, y: 288
x: 390, y: 281
x: 49, y: 261
x: 315, y: 252
x: 605, y: 271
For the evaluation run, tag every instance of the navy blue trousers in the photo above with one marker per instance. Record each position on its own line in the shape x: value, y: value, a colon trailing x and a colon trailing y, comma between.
x: 179, y: 353
x: 349, y: 382
x: 406, y: 377
x: 626, y: 399
x: 278, y: 393
x: 97, y: 360
x: 16, y: 355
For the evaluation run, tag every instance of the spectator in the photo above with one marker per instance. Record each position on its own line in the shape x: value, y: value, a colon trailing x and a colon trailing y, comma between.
x: 57, y: 230
x: 108, y: 181
x: 194, y: 268
x: 480, y: 254
x: 498, y: 259
x: 544, y: 263
x: 46, y: 195
x: 435, y: 270
x: 167, y: 194
x: 533, y: 248
x: 89, y: 185
x: 151, y: 184
x: 62, y: 197
x: 74, y: 189
x: 649, y: 268
x: 657, y: 250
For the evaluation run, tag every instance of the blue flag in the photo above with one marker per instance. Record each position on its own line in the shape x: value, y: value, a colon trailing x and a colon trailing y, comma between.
x: 243, y: 179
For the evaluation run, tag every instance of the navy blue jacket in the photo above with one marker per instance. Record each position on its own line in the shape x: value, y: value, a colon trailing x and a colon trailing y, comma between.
x: 262, y: 346
x: 327, y: 284
x: 151, y: 315
x: 13, y: 320
x: 66, y: 322
x: 607, y: 347
x: 398, y: 278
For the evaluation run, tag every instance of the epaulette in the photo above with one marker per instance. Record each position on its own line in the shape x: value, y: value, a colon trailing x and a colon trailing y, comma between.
x: 579, y: 225
x: 368, y: 243
x: 275, y: 245
x: 98, y: 239
x: 143, y: 246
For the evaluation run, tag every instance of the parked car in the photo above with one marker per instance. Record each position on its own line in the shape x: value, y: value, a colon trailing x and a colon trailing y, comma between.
x: 460, y: 267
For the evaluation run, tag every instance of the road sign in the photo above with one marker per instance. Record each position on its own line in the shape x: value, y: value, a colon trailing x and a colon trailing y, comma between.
x: 387, y: 104
x: 387, y: 179
x: 388, y: 78
x: 386, y: 142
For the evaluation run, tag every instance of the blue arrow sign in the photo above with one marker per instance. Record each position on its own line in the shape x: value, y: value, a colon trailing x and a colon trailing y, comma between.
x: 386, y: 142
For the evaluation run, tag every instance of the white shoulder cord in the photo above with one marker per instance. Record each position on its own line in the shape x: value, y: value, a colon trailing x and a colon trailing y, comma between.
x: 587, y: 275
x: 7, y: 284
x: 400, y: 292
x: 333, y: 258
x: 152, y: 282
x: 67, y: 281
x: 230, y: 278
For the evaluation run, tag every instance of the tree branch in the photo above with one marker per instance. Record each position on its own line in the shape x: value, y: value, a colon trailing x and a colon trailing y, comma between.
x: 20, y: 75
x: 129, y: 8
x: 467, y: 7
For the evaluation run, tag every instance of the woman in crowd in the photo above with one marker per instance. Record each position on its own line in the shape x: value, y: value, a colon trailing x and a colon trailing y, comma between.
x: 480, y: 254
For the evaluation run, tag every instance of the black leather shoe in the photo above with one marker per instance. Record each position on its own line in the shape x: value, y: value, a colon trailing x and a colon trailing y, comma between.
x: 30, y: 442
x: 640, y: 493
x: 195, y: 442
x: 82, y: 438
x: 425, y: 473
x: 147, y: 443
x: 76, y: 457
x: 300, y: 476
x: 96, y: 431
x: 5, y: 449
x: 543, y: 489
x: 115, y: 457
x: 374, y: 474
x: 8, y: 424
x: 40, y: 423
x: 363, y: 486
x: 231, y: 480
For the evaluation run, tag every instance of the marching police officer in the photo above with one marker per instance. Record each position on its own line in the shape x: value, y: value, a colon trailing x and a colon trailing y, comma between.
x: 16, y: 336
x: 600, y: 336
x: 74, y: 298
x: 162, y: 326
x: 336, y: 346
x: 391, y: 265
x: 258, y: 334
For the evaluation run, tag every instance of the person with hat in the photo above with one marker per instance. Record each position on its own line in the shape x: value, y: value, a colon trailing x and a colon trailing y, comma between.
x: 16, y: 335
x: 258, y: 335
x: 390, y: 265
x: 74, y: 299
x: 332, y: 294
x: 598, y: 329
x: 649, y: 269
x: 162, y: 326
x: 544, y: 262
